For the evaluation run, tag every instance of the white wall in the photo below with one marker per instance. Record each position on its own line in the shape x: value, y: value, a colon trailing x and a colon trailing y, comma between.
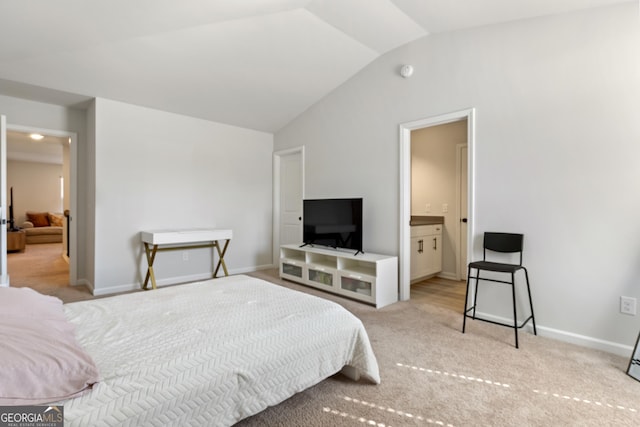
x: 433, y: 181
x: 557, y: 147
x: 158, y: 170
x: 36, y: 188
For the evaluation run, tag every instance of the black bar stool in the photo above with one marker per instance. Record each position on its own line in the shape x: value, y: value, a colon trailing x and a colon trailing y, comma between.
x: 507, y: 243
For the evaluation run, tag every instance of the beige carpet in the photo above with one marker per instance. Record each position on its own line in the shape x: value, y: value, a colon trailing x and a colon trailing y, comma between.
x: 42, y: 267
x: 38, y: 265
x: 432, y: 374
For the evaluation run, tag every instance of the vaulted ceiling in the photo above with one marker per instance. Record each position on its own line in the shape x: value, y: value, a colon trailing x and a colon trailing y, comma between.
x: 251, y: 63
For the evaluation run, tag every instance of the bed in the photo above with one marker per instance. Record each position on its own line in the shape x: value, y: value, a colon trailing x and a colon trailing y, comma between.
x: 209, y: 353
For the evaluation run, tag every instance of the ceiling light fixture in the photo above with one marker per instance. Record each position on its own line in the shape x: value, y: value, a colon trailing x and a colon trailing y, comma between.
x: 36, y: 136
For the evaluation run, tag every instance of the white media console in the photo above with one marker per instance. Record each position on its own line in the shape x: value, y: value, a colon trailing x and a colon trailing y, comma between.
x: 367, y: 277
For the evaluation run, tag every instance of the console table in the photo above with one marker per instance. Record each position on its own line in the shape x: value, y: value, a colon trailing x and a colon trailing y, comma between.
x: 171, y: 240
x: 367, y: 277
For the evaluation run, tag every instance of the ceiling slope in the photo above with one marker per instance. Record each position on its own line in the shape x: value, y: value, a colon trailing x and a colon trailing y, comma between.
x: 253, y: 63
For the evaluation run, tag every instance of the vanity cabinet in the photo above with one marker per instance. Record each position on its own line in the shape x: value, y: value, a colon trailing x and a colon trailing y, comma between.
x: 426, y: 250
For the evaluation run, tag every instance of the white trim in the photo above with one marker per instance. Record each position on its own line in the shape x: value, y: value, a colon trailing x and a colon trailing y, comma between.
x: 448, y: 276
x: 564, y: 336
x: 4, y: 265
x: 277, y: 155
x: 73, y: 185
x: 405, y: 187
x: 85, y: 282
x: 458, y: 240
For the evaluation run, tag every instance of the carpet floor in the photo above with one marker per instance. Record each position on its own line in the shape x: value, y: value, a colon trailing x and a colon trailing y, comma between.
x: 40, y: 266
x: 432, y: 374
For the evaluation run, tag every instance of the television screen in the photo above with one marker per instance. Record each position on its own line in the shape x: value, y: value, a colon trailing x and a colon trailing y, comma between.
x: 333, y: 222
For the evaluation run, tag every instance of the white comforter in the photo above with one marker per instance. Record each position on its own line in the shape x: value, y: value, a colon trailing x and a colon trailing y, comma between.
x: 210, y: 353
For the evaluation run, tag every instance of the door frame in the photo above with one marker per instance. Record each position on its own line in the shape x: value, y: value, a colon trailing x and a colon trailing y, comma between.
x: 460, y: 266
x: 73, y: 186
x: 277, y: 157
x: 405, y: 188
x: 4, y: 274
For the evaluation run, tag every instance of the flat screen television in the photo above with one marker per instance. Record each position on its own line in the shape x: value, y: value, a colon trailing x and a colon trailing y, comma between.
x: 12, y: 221
x: 336, y: 223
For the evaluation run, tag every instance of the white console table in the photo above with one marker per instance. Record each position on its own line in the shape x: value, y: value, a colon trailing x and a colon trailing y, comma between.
x: 171, y: 240
x: 367, y: 277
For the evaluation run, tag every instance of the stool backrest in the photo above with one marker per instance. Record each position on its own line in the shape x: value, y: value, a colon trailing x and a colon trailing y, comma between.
x: 503, y: 242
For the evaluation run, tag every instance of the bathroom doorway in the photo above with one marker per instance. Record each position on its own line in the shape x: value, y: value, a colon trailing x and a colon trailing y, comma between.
x: 454, y: 216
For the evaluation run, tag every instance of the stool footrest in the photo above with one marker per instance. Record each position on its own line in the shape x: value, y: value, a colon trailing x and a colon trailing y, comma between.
x: 508, y: 325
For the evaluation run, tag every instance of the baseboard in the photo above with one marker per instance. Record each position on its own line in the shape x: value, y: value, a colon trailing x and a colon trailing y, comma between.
x: 84, y: 282
x: 585, y: 341
x: 173, y: 280
x: 569, y: 337
x: 448, y: 276
x: 252, y: 269
x: 441, y: 275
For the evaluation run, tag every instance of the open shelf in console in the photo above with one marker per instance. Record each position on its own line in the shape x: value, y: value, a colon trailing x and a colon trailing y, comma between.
x: 368, y: 277
x: 358, y: 266
x: 293, y: 254
x: 322, y: 260
x: 292, y: 264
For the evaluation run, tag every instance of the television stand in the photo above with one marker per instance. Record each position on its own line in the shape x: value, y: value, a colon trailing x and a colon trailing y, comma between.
x: 359, y: 251
x: 369, y: 278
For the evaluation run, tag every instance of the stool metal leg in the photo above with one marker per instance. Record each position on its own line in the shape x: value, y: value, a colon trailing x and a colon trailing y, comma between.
x: 466, y: 300
x: 515, y: 314
x: 475, y: 294
x: 533, y: 318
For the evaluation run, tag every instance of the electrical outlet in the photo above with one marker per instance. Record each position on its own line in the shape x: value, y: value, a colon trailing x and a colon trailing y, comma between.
x: 628, y: 305
x: 427, y: 208
x: 185, y: 256
x: 445, y: 207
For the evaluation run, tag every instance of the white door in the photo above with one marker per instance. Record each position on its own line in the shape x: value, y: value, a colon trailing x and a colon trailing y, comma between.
x: 464, y: 219
x: 4, y: 277
x: 291, y: 190
x: 291, y: 199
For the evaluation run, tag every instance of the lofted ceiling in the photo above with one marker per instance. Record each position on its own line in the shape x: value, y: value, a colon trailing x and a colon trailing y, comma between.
x: 252, y: 63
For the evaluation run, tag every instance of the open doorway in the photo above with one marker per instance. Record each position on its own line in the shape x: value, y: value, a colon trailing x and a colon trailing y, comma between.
x: 438, y: 197
x: 458, y: 251
x: 38, y: 168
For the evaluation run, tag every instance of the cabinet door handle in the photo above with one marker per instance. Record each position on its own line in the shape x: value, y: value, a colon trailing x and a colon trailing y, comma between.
x: 435, y: 244
x: 420, y: 248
